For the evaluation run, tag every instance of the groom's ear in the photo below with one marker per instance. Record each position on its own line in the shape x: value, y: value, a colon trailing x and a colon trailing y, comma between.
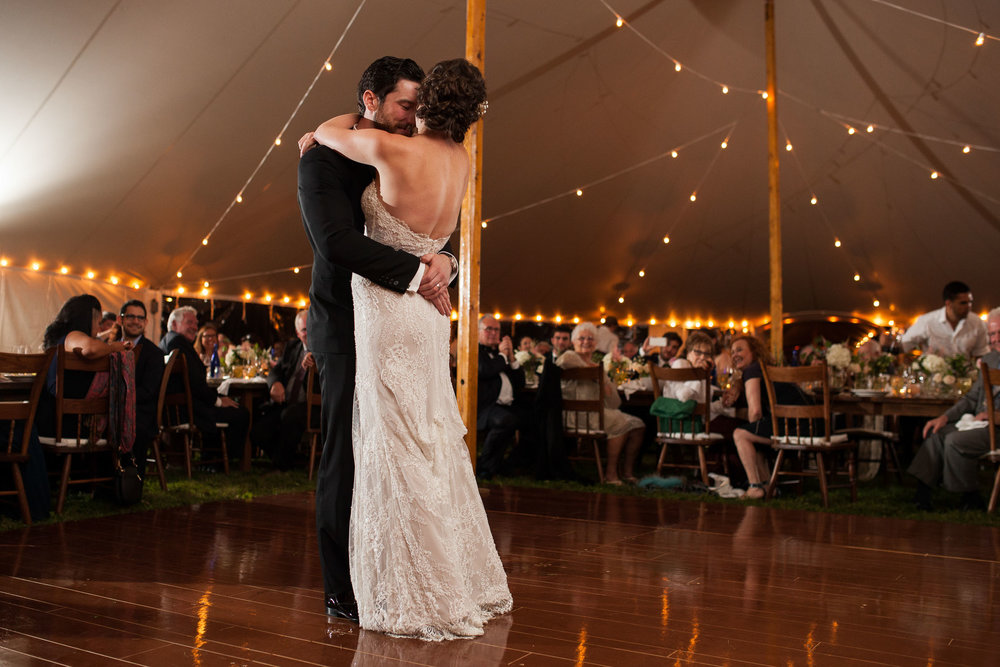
x: 371, y: 101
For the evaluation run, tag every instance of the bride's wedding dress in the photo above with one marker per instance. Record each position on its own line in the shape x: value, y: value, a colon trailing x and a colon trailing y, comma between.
x: 422, y: 557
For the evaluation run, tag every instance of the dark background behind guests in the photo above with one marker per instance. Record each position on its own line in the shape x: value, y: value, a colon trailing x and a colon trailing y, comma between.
x: 267, y: 325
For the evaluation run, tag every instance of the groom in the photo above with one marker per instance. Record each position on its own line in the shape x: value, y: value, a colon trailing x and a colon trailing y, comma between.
x: 330, y: 188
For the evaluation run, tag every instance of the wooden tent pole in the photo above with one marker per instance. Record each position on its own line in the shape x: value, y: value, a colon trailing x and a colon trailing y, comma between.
x: 471, y: 231
x: 773, y: 182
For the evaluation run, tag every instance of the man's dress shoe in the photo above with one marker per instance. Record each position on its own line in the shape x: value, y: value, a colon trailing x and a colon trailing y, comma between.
x: 342, y: 608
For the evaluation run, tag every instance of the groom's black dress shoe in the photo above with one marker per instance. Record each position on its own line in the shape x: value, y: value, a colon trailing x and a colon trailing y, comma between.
x: 342, y: 608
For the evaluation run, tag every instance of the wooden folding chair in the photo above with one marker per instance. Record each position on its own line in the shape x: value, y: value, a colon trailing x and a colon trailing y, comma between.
x: 175, y: 413
x: 18, y: 412
x: 806, y: 430
x: 314, y: 402
x: 683, y: 433
x: 583, y: 418
x: 991, y: 383
x: 84, y: 439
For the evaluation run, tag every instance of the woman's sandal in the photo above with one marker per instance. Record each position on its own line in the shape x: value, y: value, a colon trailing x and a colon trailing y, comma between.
x: 755, y: 492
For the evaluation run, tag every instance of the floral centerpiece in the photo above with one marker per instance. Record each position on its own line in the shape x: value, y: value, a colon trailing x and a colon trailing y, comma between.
x: 239, y: 358
x: 531, y: 364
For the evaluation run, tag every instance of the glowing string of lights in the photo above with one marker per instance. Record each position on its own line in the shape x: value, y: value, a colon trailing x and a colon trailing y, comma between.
x: 981, y: 36
x: 326, y: 67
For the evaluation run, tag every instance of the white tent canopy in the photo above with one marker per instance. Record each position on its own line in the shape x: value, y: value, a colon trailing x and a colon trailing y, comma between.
x: 128, y: 128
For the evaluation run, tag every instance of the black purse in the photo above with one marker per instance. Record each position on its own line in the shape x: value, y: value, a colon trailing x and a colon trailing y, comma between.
x: 127, y: 483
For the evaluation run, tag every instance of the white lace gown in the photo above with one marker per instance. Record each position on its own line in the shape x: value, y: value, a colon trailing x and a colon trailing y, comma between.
x: 423, y: 561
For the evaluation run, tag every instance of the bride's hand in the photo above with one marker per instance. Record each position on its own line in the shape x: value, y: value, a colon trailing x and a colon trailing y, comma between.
x: 436, y: 275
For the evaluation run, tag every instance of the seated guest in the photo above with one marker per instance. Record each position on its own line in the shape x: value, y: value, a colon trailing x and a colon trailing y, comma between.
x: 624, y: 431
x: 526, y: 344
x: 950, y: 457
x: 952, y: 329
x: 500, y: 379
x: 148, y: 373
x: 630, y: 350
x: 607, y: 335
x: 664, y: 355
x: 279, y: 426
x: 209, y: 407
x: 749, y: 355
x: 561, y: 340
x: 206, y: 341
x: 75, y: 329
x: 542, y: 348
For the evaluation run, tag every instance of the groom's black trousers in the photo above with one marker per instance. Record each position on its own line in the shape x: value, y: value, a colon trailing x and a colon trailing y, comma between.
x: 335, y: 478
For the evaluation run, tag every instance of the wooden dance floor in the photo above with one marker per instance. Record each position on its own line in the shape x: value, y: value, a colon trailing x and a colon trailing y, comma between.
x: 597, y: 580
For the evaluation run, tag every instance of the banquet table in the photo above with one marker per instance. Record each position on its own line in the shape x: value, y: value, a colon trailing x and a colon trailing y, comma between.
x: 890, y: 405
x: 247, y: 390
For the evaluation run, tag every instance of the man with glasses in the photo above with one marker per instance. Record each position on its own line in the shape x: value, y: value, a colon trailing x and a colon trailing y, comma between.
x: 500, y: 380
x: 953, y: 329
x: 148, y: 372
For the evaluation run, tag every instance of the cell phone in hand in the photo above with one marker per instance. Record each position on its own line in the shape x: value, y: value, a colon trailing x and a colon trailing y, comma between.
x: 658, y: 341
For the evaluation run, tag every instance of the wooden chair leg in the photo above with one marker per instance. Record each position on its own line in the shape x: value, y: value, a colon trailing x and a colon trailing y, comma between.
x: 661, y: 460
x: 312, y: 453
x: 852, y: 473
x: 771, y: 483
x: 703, y: 466
x: 188, y: 454
x: 22, y: 497
x: 158, y: 459
x: 996, y: 491
x: 597, y: 457
x: 225, y: 451
x: 821, y: 473
x: 63, y: 484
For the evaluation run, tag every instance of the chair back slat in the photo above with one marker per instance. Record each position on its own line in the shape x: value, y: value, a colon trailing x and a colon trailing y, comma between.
x: 79, y: 407
x: 790, y: 418
x: 991, y: 384
x: 18, y: 409
x: 584, y: 415
x: 174, y: 404
x: 703, y: 407
x: 314, y: 398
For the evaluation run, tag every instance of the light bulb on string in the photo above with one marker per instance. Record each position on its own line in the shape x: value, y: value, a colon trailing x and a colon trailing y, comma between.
x: 666, y: 239
x: 652, y: 320
x: 204, y: 291
x: 620, y: 22
x: 113, y: 280
x: 180, y: 289
x: 576, y: 319
x: 296, y: 270
x: 725, y: 142
x: 673, y: 323
x: 64, y: 270
x: 642, y: 273
x: 135, y: 284
x: 328, y: 65
x: 934, y: 175
x: 579, y: 193
x: 763, y: 94
x: 677, y: 66
x: 239, y: 198
x: 267, y: 297
x: 621, y: 299
x: 694, y: 196
x: 518, y: 317
x: 870, y: 129
x: 857, y: 277
x: 90, y: 275
x: 538, y: 318
x: 483, y: 223
x: 35, y: 266
x: 813, y: 200
x: 205, y: 284
x: 725, y: 90
x: 876, y: 303
x: 850, y: 130
x: 788, y: 146
x: 204, y: 241
x: 277, y: 141
x: 247, y: 296
x: 673, y: 154
x: 302, y: 303
x: 966, y: 149
x: 836, y: 242
x: 4, y: 261
x: 558, y: 319
x: 180, y: 274
x: 981, y: 39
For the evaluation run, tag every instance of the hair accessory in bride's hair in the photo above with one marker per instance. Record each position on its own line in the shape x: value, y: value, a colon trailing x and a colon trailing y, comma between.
x: 483, y: 106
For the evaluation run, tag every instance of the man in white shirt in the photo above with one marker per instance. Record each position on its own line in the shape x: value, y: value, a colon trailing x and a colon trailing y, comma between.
x: 950, y: 330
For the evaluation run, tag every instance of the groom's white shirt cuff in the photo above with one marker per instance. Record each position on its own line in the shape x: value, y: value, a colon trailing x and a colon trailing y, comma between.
x: 419, y: 275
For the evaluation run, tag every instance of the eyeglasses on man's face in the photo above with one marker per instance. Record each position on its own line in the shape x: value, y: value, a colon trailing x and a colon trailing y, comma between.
x: 495, y: 329
x: 137, y: 318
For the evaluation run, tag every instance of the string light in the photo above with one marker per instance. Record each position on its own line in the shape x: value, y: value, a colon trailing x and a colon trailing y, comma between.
x: 180, y: 274
x: 518, y: 317
x: 204, y: 291
x: 621, y: 299
x: 328, y: 66
x: 788, y: 146
x: 4, y: 261
x: 277, y: 141
x: 579, y: 193
x: 666, y: 239
x: 814, y: 200
x: 114, y: 280
x: 642, y: 274
x: 836, y: 242
x: 204, y: 241
x: 763, y: 94
x: 857, y: 277
x: 725, y: 90
x: 35, y: 266
x: 135, y: 284
x: 694, y: 196
x: 673, y: 323
x: 247, y: 296
x: 558, y: 319
x: 981, y: 39
x: 677, y: 66
x: 295, y: 270
x: 239, y: 198
x: 673, y: 154
x: 870, y: 129
x: 576, y: 319
x: 205, y: 284
x: 180, y: 289
x: 876, y: 303
x: 538, y: 318
x: 620, y: 22
x: 725, y: 143
x: 267, y: 297
x: 966, y: 149
x: 496, y: 315
x: 90, y: 274
x: 302, y: 303
x: 652, y: 320
x: 934, y: 175
x: 850, y: 130
x: 64, y: 270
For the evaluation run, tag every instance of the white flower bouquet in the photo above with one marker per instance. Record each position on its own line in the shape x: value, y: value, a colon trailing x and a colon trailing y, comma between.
x: 838, y: 356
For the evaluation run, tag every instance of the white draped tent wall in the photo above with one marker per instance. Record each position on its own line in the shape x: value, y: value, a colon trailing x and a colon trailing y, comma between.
x: 128, y: 128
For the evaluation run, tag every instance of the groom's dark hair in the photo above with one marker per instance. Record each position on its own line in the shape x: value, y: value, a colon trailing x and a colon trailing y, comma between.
x: 383, y: 74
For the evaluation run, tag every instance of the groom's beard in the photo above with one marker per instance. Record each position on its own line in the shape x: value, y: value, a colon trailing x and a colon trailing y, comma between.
x: 383, y: 123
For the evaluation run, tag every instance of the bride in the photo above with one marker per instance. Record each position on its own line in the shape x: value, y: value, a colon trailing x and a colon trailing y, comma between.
x: 423, y: 562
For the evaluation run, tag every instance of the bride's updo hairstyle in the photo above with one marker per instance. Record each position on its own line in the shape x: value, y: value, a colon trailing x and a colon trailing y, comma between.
x: 452, y: 97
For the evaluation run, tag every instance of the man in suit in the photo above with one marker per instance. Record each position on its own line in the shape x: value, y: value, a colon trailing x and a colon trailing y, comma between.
x: 950, y: 457
x: 148, y: 373
x: 209, y: 408
x: 279, y: 426
x: 330, y: 188
x: 500, y: 380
